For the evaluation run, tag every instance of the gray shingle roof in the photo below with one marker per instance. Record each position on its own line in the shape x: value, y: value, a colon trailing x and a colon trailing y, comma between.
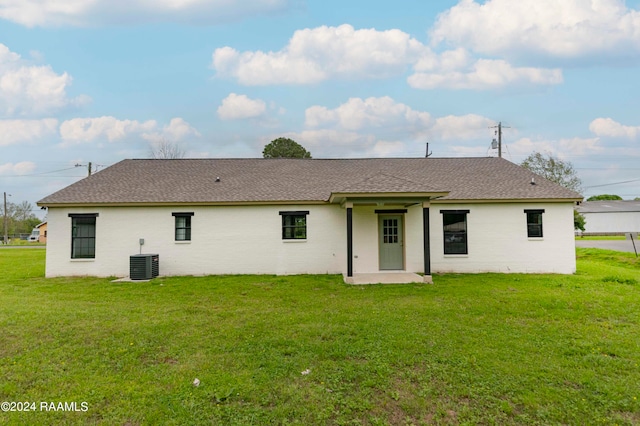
x: 296, y: 180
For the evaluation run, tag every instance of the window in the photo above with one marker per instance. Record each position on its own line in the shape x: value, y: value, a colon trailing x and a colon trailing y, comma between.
x: 183, y: 226
x: 455, y: 231
x: 534, y: 223
x: 83, y: 236
x: 294, y: 225
x: 390, y: 229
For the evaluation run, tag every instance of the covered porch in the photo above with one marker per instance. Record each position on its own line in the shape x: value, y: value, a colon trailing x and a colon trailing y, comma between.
x: 388, y: 236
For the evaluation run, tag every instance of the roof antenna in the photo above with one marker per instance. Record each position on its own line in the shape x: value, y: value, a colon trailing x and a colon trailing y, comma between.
x: 428, y: 154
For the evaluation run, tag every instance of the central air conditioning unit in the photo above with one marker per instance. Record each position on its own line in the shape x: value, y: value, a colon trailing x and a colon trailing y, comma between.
x: 144, y: 266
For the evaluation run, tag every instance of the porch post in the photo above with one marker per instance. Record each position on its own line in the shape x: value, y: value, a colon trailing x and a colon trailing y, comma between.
x: 349, y: 240
x: 427, y: 243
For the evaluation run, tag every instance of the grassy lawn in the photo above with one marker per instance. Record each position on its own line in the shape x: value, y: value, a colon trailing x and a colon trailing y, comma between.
x: 471, y: 349
x: 600, y: 237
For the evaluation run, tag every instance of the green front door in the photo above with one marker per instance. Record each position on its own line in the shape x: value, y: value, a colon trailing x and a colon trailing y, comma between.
x: 391, y: 238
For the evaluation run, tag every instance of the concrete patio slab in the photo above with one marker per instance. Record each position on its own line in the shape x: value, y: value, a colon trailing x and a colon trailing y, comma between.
x: 387, y: 278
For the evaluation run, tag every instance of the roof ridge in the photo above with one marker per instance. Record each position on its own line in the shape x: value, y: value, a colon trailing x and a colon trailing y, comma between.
x: 387, y: 175
x: 310, y: 159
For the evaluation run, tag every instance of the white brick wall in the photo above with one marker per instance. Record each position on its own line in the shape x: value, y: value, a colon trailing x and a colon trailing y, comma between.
x: 224, y: 240
x: 498, y: 242
x: 248, y: 240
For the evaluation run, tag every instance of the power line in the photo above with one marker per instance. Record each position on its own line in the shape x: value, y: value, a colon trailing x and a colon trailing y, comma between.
x: 49, y: 177
x: 89, y: 170
x: 44, y: 173
x: 611, y: 184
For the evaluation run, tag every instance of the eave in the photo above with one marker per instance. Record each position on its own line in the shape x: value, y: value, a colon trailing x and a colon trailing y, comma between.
x: 390, y: 198
x: 384, y: 197
x: 180, y: 203
x: 505, y: 200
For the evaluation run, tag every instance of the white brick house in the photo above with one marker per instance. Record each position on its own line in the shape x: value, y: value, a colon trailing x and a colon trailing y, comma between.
x: 294, y: 216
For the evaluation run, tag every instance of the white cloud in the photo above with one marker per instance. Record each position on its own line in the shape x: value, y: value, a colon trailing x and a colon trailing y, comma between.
x: 332, y: 143
x: 484, y: 74
x: 357, y: 113
x: 177, y: 130
x: 609, y: 127
x: 30, y: 89
x: 384, y: 148
x: 563, y: 148
x: 461, y: 127
x: 385, y: 116
x: 383, y: 127
x: 235, y: 107
x: 314, y: 55
x: 84, y: 130
x: 16, y: 131
x: 580, y: 146
x: 7, y: 56
x: 467, y: 151
x: 561, y: 29
x: 448, y: 60
x: 33, y: 13
x: 21, y: 168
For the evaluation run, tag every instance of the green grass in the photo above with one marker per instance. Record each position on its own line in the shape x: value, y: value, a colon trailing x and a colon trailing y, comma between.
x: 470, y: 349
x: 17, y: 242
x: 600, y: 237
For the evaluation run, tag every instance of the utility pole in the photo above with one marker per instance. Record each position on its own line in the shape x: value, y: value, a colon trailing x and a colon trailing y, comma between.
x: 499, y: 132
x: 428, y: 154
x: 500, y: 139
x: 89, y: 166
x: 6, y: 221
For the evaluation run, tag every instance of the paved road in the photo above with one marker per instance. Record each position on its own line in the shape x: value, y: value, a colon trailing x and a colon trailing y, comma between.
x: 618, y: 245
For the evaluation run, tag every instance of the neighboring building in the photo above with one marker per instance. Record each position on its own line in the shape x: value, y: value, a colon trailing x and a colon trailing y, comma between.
x: 42, y: 227
x: 39, y: 233
x: 610, y: 217
x: 299, y: 216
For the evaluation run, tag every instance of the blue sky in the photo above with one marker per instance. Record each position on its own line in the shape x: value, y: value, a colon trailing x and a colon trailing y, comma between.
x: 103, y: 80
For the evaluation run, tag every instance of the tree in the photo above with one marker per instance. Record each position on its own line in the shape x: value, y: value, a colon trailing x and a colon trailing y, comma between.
x: 553, y: 169
x: 604, y: 197
x: 164, y: 149
x: 20, y: 218
x: 22, y: 211
x: 285, y: 148
x: 579, y: 221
